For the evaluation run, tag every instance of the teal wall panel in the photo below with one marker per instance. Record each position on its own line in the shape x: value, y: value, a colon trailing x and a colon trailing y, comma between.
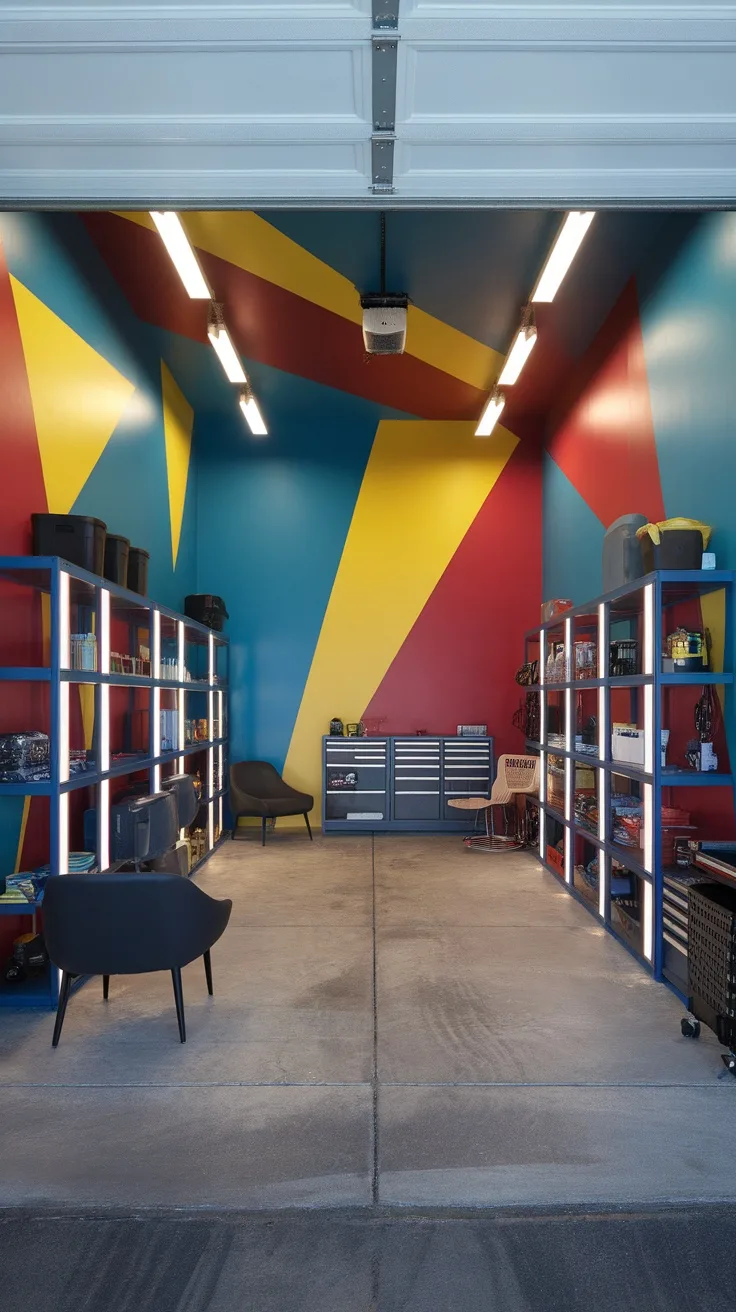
x: 689, y: 327
x: 572, y: 539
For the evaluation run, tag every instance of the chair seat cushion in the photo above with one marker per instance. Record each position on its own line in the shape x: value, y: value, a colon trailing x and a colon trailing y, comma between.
x: 294, y: 804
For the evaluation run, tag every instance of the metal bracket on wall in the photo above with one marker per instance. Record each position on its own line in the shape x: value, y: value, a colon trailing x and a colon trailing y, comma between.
x: 385, y: 57
x: 382, y: 162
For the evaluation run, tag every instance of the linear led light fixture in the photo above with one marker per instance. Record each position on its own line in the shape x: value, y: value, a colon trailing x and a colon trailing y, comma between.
x: 566, y: 247
x: 174, y: 238
x: 491, y: 414
x: 222, y: 343
x: 521, y: 348
x: 253, y: 416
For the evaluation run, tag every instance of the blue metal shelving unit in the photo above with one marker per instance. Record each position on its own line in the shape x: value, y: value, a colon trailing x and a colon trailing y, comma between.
x: 635, y: 612
x: 193, y: 647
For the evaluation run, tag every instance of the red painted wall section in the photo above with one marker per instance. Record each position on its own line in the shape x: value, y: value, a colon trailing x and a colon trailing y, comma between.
x: 23, y: 492
x: 23, y: 487
x: 458, y: 662
x: 605, y: 444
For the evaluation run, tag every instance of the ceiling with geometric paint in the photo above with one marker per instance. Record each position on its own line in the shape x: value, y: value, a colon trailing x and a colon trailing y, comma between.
x: 290, y: 284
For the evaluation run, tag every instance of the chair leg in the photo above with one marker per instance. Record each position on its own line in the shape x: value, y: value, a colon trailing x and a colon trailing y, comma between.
x: 208, y: 972
x: 64, y: 991
x: 179, y: 1000
x: 309, y: 827
x: 263, y: 832
x: 105, y: 987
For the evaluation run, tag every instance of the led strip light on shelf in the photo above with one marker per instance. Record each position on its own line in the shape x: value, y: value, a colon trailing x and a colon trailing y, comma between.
x: 181, y: 692
x: 648, y: 790
x: 103, y: 692
x: 62, y: 725
x: 156, y: 700
x: 570, y: 765
x: 221, y: 750
x: 542, y: 753
x: 211, y: 750
x: 603, y: 667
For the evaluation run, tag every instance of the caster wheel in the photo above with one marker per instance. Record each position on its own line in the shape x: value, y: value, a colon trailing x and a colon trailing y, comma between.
x: 729, y: 1061
x: 690, y: 1027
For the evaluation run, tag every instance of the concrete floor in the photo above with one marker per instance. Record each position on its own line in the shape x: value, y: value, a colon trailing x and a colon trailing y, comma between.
x: 396, y: 1022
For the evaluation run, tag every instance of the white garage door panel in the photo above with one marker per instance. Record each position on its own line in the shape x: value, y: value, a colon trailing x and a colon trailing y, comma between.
x: 263, y: 83
x: 231, y: 103
x: 266, y: 158
x: 474, y: 82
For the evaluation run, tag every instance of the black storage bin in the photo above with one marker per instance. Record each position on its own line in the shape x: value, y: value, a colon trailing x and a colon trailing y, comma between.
x: 206, y: 609
x: 711, y: 937
x: 138, y: 570
x: 117, y: 550
x: 678, y: 548
x: 80, y: 539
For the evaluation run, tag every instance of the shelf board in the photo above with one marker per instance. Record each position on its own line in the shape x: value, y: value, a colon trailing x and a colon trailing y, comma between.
x: 33, y: 992
x: 139, y: 681
x: 89, y: 778
x: 629, y: 771
x: 691, y: 583
x: 695, y: 779
x: 589, y: 836
x: 25, y: 674
x: 19, y: 908
x: 627, y: 858
x: 696, y: 680
x: 554, y: 813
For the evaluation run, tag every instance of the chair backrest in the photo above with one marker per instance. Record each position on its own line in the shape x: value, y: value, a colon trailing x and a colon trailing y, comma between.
x: 257, y: 778
x: 515, y: 774
x: 127, y: 924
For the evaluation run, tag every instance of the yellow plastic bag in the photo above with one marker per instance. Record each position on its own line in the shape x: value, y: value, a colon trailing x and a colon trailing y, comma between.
x: 654, y: 531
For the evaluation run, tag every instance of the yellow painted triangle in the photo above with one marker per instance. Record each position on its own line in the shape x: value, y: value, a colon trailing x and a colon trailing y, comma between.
x: 78, y: 398
x: 424, y: 484
x: 178, y: 419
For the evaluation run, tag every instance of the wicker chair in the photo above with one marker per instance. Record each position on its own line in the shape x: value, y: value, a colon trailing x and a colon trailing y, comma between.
x: 516, y: 777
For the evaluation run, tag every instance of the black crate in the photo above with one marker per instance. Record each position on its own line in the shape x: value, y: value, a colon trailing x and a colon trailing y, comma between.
x: 712, y: 949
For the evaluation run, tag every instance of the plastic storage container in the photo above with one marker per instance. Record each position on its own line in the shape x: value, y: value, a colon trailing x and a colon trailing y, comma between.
x: 206, y: 609
x: 117, y: 550
x: 80, y: 539
x: 138, y: 570
x: 622, y: 552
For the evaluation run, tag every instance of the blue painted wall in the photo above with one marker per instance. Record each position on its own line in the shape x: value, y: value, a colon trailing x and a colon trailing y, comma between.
x: 272, y: 520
